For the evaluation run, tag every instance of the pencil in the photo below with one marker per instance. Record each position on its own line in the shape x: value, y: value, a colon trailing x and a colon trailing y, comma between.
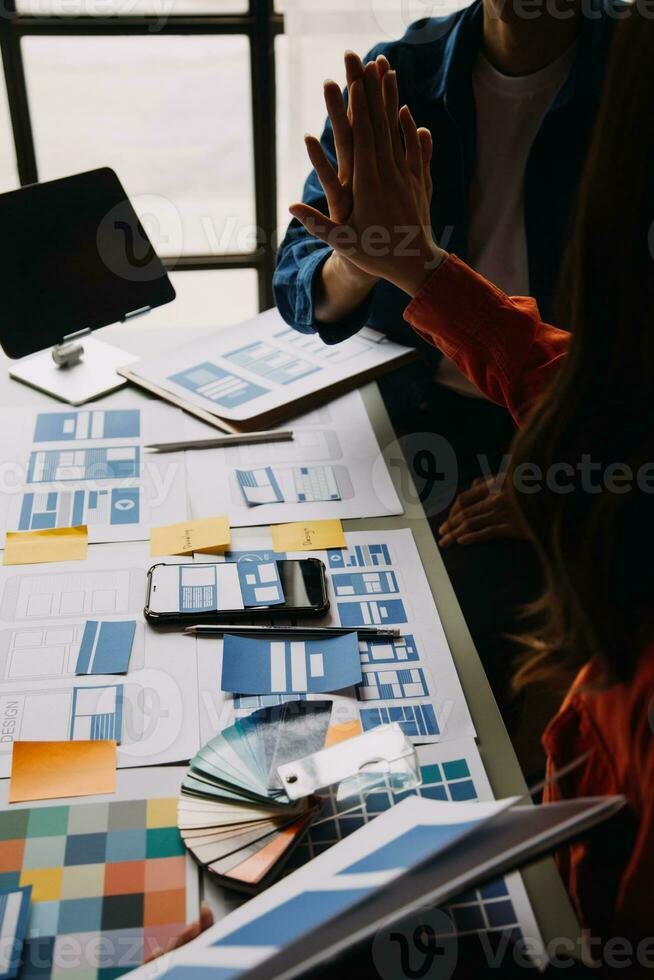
x: 209, y: 629
x: 217, y: 442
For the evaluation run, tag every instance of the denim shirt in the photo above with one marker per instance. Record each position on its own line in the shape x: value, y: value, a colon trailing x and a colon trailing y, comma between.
x: 435, y: 61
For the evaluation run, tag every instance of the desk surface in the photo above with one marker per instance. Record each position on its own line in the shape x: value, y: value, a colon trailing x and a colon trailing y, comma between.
x: 546, y: 891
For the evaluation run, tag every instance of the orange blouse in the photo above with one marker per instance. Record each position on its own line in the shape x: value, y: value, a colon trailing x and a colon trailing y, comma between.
x: 503, y: 346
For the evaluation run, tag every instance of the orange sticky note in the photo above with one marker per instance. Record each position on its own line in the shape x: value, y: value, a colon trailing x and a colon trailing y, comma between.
x: 55, y: 544
x: 308, y: 536
x: 342, y: 731
x: 50, y: 770
x: 206, y: 536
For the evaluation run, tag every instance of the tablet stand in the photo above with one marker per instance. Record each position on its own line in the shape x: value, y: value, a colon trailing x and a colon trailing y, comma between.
x: 73, y: 371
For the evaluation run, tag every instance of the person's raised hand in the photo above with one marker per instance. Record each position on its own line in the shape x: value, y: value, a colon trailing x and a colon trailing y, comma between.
x: 482, y: 513
x: 384, y: 180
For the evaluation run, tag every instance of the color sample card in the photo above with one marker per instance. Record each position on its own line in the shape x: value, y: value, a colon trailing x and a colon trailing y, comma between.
x: 105, y: 647
x: 51, y: 770
x: 233, y: 813
x: 207, y: 536
x: 55, y: 544
x: 259, y: 666
x: 308, y: 536
x: 14, y: 910
x: 108, y: 882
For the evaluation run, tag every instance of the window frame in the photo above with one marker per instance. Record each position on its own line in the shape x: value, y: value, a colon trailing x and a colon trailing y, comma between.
x: 260, y: 24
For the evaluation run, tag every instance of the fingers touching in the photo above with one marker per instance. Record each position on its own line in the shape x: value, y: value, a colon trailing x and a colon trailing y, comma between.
x: 324, y: 170
x: 377, y: 114
x: 342, y: 129
x: 412, y: 142
x: 392, y: 105
x: 427, y: 149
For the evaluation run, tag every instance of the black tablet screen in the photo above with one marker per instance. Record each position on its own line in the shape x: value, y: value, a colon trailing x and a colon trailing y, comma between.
x: 73, y: 255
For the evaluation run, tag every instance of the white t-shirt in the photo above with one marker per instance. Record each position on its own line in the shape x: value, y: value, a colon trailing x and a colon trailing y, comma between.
x: 510, y: 111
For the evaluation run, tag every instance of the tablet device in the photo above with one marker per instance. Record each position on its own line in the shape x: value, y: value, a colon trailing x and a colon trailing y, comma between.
x: 73, y: 256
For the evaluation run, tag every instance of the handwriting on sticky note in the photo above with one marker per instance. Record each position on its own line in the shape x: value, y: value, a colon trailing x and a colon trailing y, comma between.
x: 206, y: 536
x: 52, y: 770
x: 308, y: 536
x: 55, y: 544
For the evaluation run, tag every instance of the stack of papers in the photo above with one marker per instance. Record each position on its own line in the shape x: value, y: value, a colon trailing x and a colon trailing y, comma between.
x: 270, y: 376
x: 417, y: 855
x: 234, y: 815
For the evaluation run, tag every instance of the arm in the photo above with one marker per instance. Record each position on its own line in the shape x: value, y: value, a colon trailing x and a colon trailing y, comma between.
x: 498, y: 341
x: 633, y: 902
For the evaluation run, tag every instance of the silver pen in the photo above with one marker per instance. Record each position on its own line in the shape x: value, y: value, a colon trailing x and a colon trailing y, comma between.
x: 218, y: 442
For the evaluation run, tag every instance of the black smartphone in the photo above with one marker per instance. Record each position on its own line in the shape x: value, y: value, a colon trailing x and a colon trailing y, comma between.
x: 188, y: 593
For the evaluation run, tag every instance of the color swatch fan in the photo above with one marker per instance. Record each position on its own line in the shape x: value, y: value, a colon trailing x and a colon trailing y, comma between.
x: 233, y: 814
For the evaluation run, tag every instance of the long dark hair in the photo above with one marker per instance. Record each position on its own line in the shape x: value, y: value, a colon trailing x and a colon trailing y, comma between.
x: 598, y: 547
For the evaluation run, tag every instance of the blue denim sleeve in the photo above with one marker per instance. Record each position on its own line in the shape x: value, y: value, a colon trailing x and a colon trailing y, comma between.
x: 300, y: 258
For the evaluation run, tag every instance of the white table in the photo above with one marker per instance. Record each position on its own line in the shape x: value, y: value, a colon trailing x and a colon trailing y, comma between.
x: 548, y: 896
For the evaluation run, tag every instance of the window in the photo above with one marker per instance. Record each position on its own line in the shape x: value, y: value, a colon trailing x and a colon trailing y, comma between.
x: 197, y: 104
x: 178, y: 96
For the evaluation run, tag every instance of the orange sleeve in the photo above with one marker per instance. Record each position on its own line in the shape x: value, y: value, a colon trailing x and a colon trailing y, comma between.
x: 499, y: 342
x: 633, y: 905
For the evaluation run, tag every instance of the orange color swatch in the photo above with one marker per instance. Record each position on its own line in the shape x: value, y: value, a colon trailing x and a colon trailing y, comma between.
x: 51, y: 770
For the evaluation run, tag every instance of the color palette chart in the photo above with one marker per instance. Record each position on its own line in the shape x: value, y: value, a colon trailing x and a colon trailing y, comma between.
x: 113, y: 871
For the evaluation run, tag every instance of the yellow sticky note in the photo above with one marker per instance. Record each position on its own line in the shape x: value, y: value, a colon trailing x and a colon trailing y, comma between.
x: 308, y: 536
x: 51, y: 770
x: 56, y: 544
x: 207, y: 536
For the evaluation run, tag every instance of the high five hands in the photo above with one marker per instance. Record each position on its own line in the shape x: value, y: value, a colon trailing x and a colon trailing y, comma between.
x: 379, y: 199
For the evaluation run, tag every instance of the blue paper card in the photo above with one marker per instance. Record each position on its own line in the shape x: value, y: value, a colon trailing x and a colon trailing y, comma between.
x: 254, y: 666
x: 14, y: 909
x: 259, y: 486
x: 260, y: 583
x: 106, y: 647
x: 314, y: 484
